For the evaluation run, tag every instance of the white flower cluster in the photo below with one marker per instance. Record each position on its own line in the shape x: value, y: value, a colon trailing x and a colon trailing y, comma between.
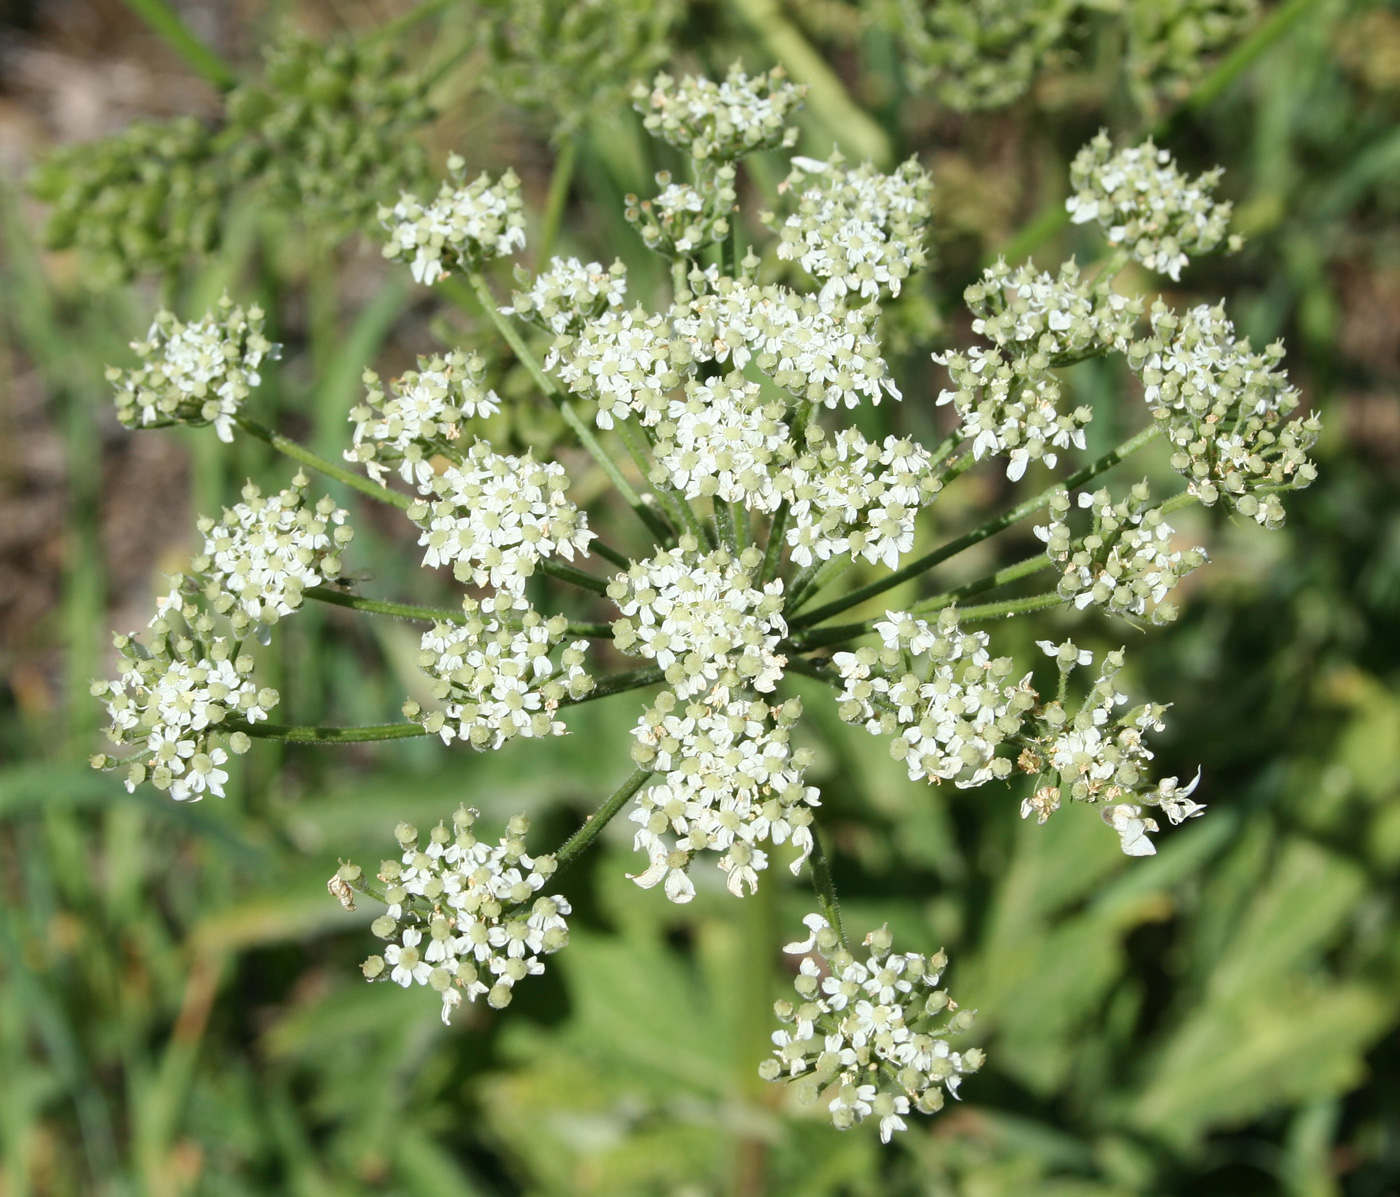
x: 870, y: 1037
x: 1126, y: 562
x: 730, y: 782
x: 630, y: 362
x: 859, y: 229
x: 198, y: 373
x: 474, y: 903
x: 1225, y: 410
x: 267, y: 550
x: 722, y: 439
x: 466, y: 225
x: 948, y: 705
x: 568, y: 293
x: 494, y: 670
x: 721, y: 121
x: 1100, y: 757
x: 420, y: 417
x: 626, y: 361
x: 815, y: 349
x: 851, y: 495
x: 1006, y: 407
x: 701, y: 619
x: 1146, y: 205
x: 495, y: 516
x: 1050, y: 320
x: 173, y: 698
x: 682, y: 220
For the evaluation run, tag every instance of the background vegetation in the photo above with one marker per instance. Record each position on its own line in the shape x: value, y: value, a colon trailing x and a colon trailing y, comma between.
x: 180, y: 1010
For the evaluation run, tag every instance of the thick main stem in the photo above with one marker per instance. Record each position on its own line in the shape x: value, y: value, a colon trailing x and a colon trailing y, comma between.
x: 977, y: 535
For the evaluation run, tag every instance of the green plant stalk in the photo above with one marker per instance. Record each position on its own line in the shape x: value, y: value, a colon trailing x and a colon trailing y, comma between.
x: 164, y: 21
x: 575, y: 577
x: 813, y: 668
x: 1246, y: 53
x: 825, y: 887
x: 822, y: 578
x: 1010, y: 608
x: 402, y: 24
x: 773, y: 551
x: 992, y: 581
x: 285, y: 733
x: 548, y: 386
x: 724, y: 524
x: 946, y: 446
x: 557, y: 198
x: 306, y: 457
x: 355, y: 602
x: 672, y: 502
x: 739, y: 517
x: 841, y: 632
x: 619, y: 683
x: 592, y: 828
x: 854, y: 129
x: 609, y: 554
x: 953, y: 547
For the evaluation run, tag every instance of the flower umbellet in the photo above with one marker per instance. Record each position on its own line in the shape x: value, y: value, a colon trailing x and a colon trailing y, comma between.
x: 724, y: 420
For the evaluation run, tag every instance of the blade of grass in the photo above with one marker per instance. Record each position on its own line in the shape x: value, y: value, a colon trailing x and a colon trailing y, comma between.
x: 165, y: 21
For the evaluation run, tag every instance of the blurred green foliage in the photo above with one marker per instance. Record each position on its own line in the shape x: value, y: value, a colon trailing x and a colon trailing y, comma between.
x: 180, y: 1010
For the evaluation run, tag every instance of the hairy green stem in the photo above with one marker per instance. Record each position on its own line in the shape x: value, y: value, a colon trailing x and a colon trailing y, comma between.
x: 953, y: 547
x: 165, y: 21
x: 825, y: 887
x: 1009, y: 608
x: 773, y: 551
x: 621, y: 683
x: 1010, y: 573
x: 607, y: 553
x: 340, y: 598
x: 577, y: 843
x: 287, y: 734
x: 320, y: 464
x: 567, y: 573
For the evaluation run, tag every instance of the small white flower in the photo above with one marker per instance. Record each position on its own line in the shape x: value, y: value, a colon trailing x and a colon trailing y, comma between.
x: 1132, y: 828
